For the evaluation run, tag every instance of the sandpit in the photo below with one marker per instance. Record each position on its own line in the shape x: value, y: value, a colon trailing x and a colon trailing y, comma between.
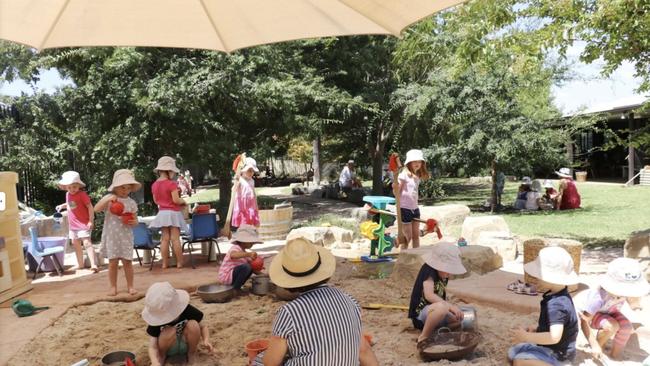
x: 93, y: 330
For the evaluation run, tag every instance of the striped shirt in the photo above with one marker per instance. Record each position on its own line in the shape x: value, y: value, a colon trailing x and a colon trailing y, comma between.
x: 228, y: 264
x: 322, y: 327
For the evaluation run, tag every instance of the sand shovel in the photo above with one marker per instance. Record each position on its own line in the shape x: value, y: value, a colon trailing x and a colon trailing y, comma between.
x: 384, y: 306
x: 25, y: 308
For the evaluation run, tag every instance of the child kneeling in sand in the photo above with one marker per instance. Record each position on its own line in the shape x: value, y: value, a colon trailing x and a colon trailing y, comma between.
x: 236, y: 267
x: 174, y: 325
x: 428, y: 308
x: 599, y: 308
x: 553, y: 341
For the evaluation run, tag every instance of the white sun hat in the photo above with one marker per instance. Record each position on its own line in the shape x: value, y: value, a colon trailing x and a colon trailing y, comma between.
x: 548, y: 183
x: 414, y: 155
x: 166, y: 163
x: 163, y: 304
x: 123, y: 177
x: 553, y: 265
x: 445, y: 257
x: 301, y: 263
x: 246, y: 234
x: 564, y: 173
x: 70, y: 177
x: 625, y: 278
x: 526, y: 181
x: 250, y: 163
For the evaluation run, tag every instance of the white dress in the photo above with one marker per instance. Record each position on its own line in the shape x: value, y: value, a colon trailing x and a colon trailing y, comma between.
x: 117, y: 238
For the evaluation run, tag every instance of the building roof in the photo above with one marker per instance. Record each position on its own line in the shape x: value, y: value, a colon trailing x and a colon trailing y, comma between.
x: 619, y: 106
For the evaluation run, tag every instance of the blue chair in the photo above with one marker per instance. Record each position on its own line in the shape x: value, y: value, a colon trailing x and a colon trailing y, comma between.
x: 39, y: 254
x: 143, y: 240
x: 203, y: 228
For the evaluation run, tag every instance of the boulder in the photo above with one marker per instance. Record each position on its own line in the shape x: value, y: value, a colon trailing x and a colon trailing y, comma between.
x: 638, y: 245
x: 318, y: 193
x: 297, y: 188
x: 474, y: 225
x: 356, y: 195
x: 408, y: 265
x: 449, y: 217
x: 480, y: 180
x: 479, y: 259
x: 323, y: 236
x: 501, y: 243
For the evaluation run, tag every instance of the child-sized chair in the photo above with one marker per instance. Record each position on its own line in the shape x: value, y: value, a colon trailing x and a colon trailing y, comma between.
x: 40, y: 255
x: 203, y: 228
x: 143, y: 240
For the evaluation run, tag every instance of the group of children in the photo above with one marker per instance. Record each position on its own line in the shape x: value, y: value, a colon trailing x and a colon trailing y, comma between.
x: 529, y: 196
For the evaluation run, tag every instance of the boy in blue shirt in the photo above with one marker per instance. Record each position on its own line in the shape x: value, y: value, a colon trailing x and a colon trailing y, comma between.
x: 553, y: 341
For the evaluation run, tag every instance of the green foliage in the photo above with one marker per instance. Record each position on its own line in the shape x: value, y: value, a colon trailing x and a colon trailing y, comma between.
x: 300, y: 150
x: 431, y: 190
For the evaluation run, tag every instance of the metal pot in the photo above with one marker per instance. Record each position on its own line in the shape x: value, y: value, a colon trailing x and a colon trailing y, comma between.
x: 215, y: 293
x: 469, y: 318
x: 261, y: 284
x: 117, y: 358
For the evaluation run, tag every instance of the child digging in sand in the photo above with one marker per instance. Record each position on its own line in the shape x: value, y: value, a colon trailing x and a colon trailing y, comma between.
x: 174, y: 326
x: 553, y: 340
x: 600, y: 307
x: 236, y: 267
x: 429, y: 308
x: 117, y: 234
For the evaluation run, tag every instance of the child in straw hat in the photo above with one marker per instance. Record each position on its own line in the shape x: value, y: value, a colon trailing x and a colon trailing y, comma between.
x: 81, y: 217
x: 174, y: 326
x: 169, y: 219
x: 322, y: 326
x: 236, y: 267
x: 553, y: 340
x: 429, y: 308
x: 600, y: 307
x: 117, y: 234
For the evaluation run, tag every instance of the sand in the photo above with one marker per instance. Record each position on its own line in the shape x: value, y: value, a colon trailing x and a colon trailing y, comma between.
x: 94, y: 330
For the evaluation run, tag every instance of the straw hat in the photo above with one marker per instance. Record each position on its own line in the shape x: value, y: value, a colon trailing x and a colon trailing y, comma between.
x: 553, y: 265
x: 414, y: 155
x: 123, y: 177
x: 564, y: 173
x: 526, y: 181
x: 163, y: 304
x: 548, y: 184
x: 246, y: 234
x: 70, y: 177
x: 445, y: 257
x: 166, y: 163
x: 625, y: 278
x: 301, y: 263
x: 250, y: 163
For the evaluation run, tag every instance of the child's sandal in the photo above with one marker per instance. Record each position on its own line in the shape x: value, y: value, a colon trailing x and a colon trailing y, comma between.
x: 515, y: 286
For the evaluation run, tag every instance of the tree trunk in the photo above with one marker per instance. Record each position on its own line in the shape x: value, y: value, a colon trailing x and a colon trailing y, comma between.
x: 493, y: 204
x: 377, y: 154
x: 316, y: 161
x: 225, y: 189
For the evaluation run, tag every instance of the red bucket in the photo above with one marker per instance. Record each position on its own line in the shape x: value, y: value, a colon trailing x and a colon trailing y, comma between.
x: 253, y: 348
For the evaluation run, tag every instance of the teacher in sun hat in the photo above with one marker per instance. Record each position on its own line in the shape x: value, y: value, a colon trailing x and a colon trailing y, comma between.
x: 322, y: 326
x: 568, y: 197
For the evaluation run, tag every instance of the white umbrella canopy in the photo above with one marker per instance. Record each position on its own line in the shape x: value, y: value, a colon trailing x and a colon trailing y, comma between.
x: 223, y: 25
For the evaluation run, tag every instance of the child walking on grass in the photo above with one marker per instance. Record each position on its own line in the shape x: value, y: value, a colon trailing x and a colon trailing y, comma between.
x: 236, y: 268
x: 553, y: 340
x: 245, y: 210
x: 407, y: 185
x: 169, y: 219
x: 80, y: 217
x: 599, y: 308
x: 117, y: 234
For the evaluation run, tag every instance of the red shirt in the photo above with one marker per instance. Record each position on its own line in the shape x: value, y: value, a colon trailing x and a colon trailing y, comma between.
x: 162, y: 194
x: 78, y: 215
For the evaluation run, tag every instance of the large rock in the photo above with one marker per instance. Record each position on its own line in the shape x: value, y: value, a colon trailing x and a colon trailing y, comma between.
x: 480, y: 259
x: 474, y: 225
x: 323, y: 236
x: 480, y: 180
x: 449, y: 217
x: 408, y: 265
x: 638, y: 245
x: 501, y: 242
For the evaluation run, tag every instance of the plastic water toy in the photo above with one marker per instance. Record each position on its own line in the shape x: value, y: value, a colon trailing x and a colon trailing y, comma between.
x: 380, y: 242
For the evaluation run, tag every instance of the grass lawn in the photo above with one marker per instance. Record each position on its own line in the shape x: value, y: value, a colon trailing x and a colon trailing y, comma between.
x: 212, y: 194
x: 609, y: 214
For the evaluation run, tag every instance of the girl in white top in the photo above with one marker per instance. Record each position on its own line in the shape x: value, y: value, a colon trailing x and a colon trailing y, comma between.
x: 408, y: 183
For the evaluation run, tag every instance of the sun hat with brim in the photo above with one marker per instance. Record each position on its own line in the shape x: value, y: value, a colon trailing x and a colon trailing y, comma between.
x: 564, y: 173
x: 250, y: 163
x: 166, y: 164
x: 301, y: 263
x: 553, y: 265
x: 350, y: 162
x: 163, y: 304
x: 624, y: 277
x: 70, y: 177
x: 526, y: 181
x: 548, y: 184
x: 124, y: 177
x: 414, y: 155
x: 246, y: 234
x: 445, y: 257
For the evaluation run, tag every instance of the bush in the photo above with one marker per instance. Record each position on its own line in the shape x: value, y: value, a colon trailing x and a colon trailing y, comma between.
x: 431, y: 189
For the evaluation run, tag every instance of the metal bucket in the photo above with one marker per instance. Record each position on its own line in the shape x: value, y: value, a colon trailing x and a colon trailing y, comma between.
x: 117, y: 358
x: 469, y: 318
x: 261, y: 284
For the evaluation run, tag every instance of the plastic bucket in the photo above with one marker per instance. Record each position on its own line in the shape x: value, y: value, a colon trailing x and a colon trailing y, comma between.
x: 253, y: 348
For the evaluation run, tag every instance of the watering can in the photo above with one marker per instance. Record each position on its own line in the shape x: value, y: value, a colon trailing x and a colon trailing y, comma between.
x: 25, y: 308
